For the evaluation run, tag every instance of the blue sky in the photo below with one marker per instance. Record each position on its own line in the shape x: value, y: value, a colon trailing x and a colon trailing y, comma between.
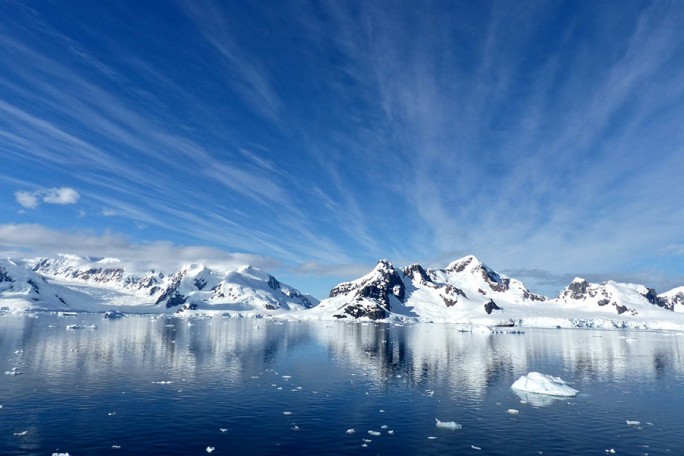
x: 313, y: 138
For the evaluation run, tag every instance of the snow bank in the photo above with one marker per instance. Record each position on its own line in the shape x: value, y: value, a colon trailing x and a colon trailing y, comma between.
x: 537, y: 383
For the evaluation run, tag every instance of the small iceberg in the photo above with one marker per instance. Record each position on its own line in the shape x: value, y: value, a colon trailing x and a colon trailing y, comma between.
x: 453, y: 425
x: 537, y: 383
x: 113, y: 314
x: 633, y: 423
x: 210, y: 449
x: 72, y: 327
x: 14, y: 371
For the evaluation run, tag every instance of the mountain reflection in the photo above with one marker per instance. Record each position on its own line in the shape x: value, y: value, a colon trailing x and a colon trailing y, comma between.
x: 156, y: 349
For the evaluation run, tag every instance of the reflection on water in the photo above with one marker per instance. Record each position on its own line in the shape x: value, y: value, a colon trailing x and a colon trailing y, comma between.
x: 177, y: 381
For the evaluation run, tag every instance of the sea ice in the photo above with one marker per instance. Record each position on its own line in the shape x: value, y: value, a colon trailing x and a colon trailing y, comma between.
x: 475, y: 447
x: 20, y: 434
x: 633, y: 423
x: 453, y: 425
x: 223, y: 429
x: 210, y: 449
x: 513, y: 411
x: 14, y: 371
x: 287, y: 412
x: 116, y: 447
x: 72, y: 327
x: 374, y: 433
x: 60, y: 454
x: 350, y: 431
x: 537, y: 383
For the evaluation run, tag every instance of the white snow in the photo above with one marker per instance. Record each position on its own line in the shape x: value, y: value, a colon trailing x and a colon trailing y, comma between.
x: 448, y: 425
x: 537, y: 383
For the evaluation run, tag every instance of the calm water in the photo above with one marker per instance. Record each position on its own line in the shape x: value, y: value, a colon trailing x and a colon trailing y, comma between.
x: 176, y: 386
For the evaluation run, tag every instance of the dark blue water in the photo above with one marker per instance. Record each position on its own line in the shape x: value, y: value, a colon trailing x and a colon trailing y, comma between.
x: 177, y: 386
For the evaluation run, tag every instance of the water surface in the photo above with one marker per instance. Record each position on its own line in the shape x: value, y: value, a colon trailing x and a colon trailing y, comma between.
x: 145, y: 385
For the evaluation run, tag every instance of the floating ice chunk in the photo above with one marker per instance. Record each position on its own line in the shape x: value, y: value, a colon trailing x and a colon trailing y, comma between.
x: 537, y: 383
x: 350, y: 431
x: 374, y: 433
x: 60, y: 454
x: 382, y: 411
x: 163, y: 382
x: 367, y: 440
x: 475, y: 447
x: 295, y: 427
x: 390, y: 432
x: 72, y: 327
x: 431, y: 437
x: 223, y: 429
x: 536, y: 400
x: 20, y: 434
x: 513, y: 411
x: 287, y: 412
x: 116, y: 447
x: 633, y: 423
x: 429, y: 393
x: 14, y: 371
x: 111, y: 413
x: 384, y: 426
x: 453, y: 425
x: 611, y: 451
x: 286, y: 377
x: 364, y: 445
x: 210, y: 449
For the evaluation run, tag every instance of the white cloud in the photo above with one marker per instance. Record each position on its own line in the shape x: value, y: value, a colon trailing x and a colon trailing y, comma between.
x: 28, y: 200
x: 62, y: 195
x: 30, y: 240
x: 57, y: 195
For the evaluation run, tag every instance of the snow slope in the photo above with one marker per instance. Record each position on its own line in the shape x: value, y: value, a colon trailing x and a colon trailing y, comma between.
x: 23, y: 289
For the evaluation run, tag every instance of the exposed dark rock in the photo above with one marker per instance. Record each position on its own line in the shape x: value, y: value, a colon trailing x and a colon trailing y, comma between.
x: 491, y: 306
x: 359, y: 310
x: 578, y: 289
x: 416, y: 271
x: 4, y: 276
x: 533, y: 296
x: 604, y: 302
x: 384, y: 283
x: 273, y: 283
x: 200, y: 283
x: 34, y: 286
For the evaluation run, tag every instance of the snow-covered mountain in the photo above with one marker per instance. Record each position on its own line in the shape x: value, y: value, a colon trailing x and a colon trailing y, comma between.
x: 192, y: 285
x: 106, y: 272
x: 21, y: 288
x: 673, y: 299
x: 468, y: 291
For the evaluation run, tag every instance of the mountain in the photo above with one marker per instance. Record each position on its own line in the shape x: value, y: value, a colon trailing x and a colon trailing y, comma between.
x: 465, y: 289
x: 468, y: 291
x: 105, y: 272
x: 192, y: 285
x: 21, y: 288
x: 613, y: 297
x: 247, y: 288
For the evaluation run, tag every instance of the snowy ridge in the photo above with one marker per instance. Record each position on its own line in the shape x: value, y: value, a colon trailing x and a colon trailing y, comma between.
x: 469, y: 292
x: 21, y: 288
x: 104, y: 283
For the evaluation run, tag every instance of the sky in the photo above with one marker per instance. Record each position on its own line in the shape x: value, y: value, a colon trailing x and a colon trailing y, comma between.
x: 312, y: 138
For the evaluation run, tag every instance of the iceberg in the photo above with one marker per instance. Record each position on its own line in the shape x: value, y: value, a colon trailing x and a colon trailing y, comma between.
x: 453, y: 425
x: 537, y: 383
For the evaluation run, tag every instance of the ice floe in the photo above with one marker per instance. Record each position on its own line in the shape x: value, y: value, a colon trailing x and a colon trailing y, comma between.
x: 14, y: 371
x: 475, y: 447
x: 350, y: 431
x: 20, y: 434
x: 512, y: 411
x: 537, y: 383
x: 633, y: 423
x: 210, y: 449
x: 453, y: 425
x: 374, y: 433
x: 287, y: 412
x: 73, y: 327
